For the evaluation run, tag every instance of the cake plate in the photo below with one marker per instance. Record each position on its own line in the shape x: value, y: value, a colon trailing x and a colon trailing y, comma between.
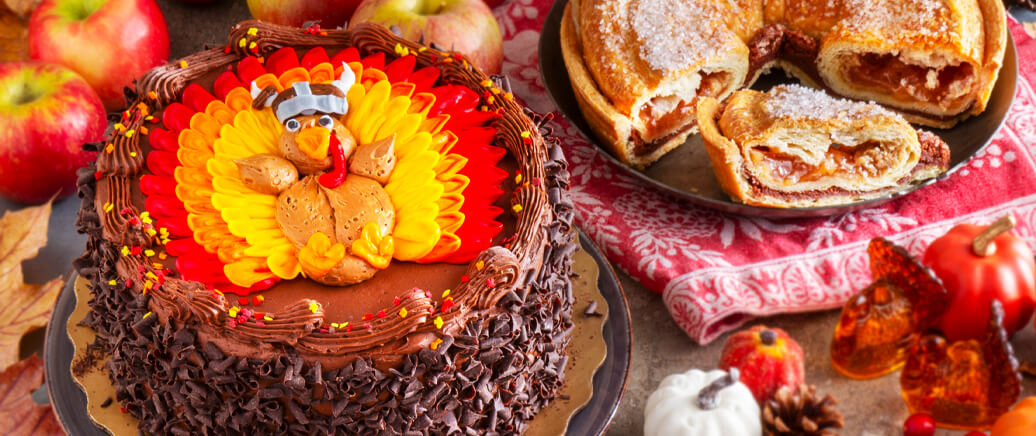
x: 686, y: 172
x: 609, y: 379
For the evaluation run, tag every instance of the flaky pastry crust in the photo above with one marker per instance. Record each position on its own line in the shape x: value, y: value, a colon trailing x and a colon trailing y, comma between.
x: 639, y: 67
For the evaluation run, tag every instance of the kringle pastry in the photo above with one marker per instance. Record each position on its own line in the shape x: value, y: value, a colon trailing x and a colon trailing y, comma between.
x: 638, y: 67
x: 798, y: 147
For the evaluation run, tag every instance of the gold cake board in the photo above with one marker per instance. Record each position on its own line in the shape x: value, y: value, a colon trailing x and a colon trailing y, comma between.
x: 587, y: 352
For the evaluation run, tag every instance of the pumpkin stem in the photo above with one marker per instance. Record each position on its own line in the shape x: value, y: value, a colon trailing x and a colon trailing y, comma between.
x: 983, y: 244
x: 707, y: 397
x: 768, y: 337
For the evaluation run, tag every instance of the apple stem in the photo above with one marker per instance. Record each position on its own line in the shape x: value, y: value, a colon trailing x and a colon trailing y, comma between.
x: 25, y: 95
x: 983, y: 244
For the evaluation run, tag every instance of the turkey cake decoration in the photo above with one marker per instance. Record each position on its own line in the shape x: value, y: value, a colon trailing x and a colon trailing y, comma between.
x: 323, y: 168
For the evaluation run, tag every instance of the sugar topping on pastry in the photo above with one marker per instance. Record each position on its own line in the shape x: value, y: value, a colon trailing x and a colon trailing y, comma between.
x: 800, y: 103
x: 923, y: 17
x: 675, y: 35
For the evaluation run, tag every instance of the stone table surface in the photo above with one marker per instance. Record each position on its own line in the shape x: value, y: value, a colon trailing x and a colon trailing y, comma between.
x: 872, y: 407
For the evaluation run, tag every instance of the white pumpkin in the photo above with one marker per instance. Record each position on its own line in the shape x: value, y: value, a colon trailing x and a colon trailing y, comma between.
x: 674, y: 408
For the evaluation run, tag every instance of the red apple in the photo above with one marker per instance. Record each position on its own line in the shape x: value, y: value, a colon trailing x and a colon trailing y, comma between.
x: 464, y: 26
x: 47, y: 112
x: 108, y: 42
x: 330, y: 13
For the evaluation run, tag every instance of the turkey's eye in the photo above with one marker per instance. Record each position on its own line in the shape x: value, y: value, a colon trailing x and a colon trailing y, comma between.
x: 292, y: 125
x: 326, y: 121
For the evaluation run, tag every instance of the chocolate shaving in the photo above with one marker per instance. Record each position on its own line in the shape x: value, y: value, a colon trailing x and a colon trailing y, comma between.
x: 591, y: 310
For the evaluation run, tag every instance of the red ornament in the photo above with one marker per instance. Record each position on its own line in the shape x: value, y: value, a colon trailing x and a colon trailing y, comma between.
x: 978, y: 264
x: 919, y: 424
x: 768, y: 359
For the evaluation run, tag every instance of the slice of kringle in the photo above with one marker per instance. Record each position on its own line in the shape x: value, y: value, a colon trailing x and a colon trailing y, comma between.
x: 799, y: 147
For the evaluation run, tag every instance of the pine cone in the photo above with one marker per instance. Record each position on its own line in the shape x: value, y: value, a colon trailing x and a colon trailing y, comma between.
x: 801, y: 414
x: 1027, y: 4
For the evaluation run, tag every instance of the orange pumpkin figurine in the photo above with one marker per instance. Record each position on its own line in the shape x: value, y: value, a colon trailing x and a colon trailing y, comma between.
x: 768, y: 359
x: 1021, y: 420
x: 978, y: 264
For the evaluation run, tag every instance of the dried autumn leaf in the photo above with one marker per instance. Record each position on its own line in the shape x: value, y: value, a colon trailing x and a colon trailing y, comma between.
x: 25, y: 306
x: 19, y: 414
x: 14, y: 36
x: 23, y: 8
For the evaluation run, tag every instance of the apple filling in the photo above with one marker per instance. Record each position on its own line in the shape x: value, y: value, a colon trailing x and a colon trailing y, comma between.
x: 668, y: 115
x: 864, y: 161
x: 947, y: 86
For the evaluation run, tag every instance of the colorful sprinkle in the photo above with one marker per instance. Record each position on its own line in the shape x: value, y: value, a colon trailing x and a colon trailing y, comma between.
x: 129, y: 133
x: 136, y: 250
x: 438, y: 322
x: 233, y: 311
x: 242, y: 301
x: 464, y: 279
x: 125, y: 250
x: 526, y: 134
x: 490, y: 283
x: 267, y: 318
x: 435, y: 343
x: 112, y: 282
x: 396, y: 301
x: 183, y: 63
x: 445, y: 293
x: 480, y: 265
x: 257, y: 300
x: 446, y: 305
x: 241, y: 43
x: 402, y: 313
x: 253, y: 31
x: 517, y: 179
x: 108, y: 206
x: 149, y: 253
x: 110, y: 148
x: 146, y: 315
x: 382, y: 314
x: 152, y: 95
x: 517, y: 208
x: 313, y: 307
x: 133, y: 154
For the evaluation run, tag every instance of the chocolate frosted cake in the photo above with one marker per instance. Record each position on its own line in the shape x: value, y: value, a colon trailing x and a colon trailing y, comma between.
x: 328, y: 232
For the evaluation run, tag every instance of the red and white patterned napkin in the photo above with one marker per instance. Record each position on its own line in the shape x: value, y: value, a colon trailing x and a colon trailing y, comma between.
x: 716, y: 271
